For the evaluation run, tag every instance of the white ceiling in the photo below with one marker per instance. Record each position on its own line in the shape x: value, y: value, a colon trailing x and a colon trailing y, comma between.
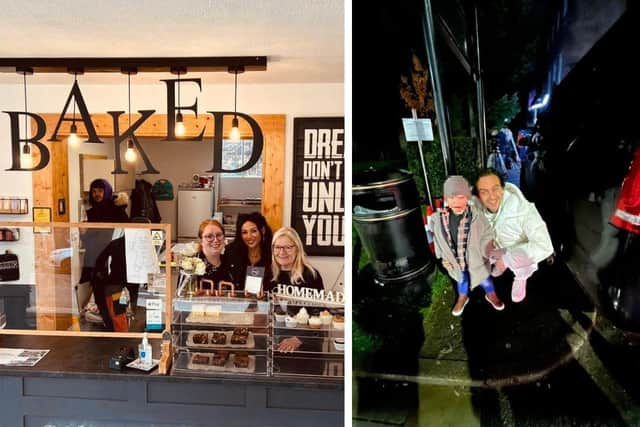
x: 303, y: 40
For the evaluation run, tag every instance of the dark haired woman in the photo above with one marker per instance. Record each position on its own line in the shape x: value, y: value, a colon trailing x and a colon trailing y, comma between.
x: 251, y: 247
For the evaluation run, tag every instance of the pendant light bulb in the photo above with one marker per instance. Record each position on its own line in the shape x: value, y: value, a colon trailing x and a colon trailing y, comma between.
x: 180, y: 129
x: 234, y: 134
x: 26, y: 161
x: 130, y: 155
x: 73, y: 135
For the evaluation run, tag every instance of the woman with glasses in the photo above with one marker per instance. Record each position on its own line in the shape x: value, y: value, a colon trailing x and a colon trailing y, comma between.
x: 211, y: 246
x: 290, y: 265
x: 251, y: 247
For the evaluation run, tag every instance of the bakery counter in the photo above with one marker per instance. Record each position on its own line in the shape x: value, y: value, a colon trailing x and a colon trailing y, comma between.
x: 73, y: 385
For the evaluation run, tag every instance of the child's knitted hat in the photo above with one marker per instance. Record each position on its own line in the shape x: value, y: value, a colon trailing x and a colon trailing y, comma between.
x: 456, y: 185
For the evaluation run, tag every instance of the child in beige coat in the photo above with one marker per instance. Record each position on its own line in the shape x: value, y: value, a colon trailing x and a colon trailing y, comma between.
x: 463, y: 237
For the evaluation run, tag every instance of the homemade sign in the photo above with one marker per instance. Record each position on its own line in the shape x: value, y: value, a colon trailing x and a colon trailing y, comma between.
x: 295, y: 293
x: 317, y: 211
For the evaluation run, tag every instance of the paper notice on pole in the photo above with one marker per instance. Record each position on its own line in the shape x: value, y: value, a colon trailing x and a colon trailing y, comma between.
x: 417, y: 129
x: 140, y: 254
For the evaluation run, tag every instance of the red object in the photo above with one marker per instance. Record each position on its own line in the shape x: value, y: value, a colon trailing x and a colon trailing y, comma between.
x: 427, y: 229
x: 120, y: 321
x: 627, y: 213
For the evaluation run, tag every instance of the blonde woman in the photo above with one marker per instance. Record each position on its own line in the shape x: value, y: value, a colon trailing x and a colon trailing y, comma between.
x: 290, y: 265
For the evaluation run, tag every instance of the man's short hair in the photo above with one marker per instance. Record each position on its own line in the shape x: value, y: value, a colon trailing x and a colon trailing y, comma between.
x: 487, y: 172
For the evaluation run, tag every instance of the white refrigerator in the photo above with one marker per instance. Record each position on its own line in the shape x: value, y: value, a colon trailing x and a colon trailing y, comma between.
x: 194, y: 206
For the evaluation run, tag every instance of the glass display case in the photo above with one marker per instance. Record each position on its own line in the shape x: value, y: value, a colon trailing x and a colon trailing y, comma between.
x: 221, y: 335
x: 308, y: 339
x: 88, y: 279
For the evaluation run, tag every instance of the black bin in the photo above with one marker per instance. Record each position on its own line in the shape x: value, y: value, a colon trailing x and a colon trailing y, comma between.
x: 388, y: 219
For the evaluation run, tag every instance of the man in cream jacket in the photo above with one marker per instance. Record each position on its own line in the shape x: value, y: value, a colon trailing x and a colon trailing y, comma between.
x: 521, y: 236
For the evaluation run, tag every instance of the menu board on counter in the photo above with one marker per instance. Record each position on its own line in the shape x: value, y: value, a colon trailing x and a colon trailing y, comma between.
x: 317, y: 209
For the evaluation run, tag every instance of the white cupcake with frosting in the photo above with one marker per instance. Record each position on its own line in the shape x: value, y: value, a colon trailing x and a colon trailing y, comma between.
x: 315, y: 322
x: 291, y: 322
x: 338, y: 322
x: 302, y: 317
x: 326, y: 317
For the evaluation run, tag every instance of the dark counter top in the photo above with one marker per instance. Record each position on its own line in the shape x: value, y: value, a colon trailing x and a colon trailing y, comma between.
x: 88, y: 357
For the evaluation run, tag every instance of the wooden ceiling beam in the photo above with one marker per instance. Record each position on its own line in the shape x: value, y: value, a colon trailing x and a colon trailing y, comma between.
x: 143, y: 65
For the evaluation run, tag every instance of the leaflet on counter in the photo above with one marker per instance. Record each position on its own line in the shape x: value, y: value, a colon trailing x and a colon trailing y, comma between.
x: 21, y: 356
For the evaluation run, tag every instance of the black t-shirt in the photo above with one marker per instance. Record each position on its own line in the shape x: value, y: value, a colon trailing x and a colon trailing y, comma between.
x: 215, y: 273
x: 454, y: 223
x: 238, y: 263
x: 308, y: 280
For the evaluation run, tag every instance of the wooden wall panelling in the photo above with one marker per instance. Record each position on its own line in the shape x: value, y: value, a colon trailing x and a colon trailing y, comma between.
x: 273, y: 160
x: 273, y: 157
x: 53, y: 290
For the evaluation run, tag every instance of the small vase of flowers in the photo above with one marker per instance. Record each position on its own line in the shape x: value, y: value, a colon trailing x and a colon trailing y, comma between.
x: 190, y: 270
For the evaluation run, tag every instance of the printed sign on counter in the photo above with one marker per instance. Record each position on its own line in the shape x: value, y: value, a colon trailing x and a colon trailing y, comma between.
x: 154, y: 314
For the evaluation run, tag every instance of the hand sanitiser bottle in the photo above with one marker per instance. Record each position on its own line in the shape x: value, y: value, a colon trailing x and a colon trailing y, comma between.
x: 144, y: 351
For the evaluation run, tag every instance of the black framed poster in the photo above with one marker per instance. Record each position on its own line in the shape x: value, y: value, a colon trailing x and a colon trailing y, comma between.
x: 317, y: 208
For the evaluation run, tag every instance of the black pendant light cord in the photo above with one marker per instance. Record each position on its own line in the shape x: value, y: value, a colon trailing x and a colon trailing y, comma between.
x: 75, y: 81
x: 129, y: 91
x: 235, y: 98
x: 178, y: 91
x: 24, y: 80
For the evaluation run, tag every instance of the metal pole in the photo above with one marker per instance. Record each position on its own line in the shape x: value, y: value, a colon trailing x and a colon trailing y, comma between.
x: 482, y: 118
x: 414, y: 114
x: 428, y: 30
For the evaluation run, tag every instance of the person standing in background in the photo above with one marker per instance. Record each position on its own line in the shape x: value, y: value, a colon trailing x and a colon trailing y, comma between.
x: 509, y: 151
x: 103, y: 209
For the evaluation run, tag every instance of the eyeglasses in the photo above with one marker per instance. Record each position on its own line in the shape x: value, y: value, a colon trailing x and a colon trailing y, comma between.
x: 287, y: 249
x: 210, y: 237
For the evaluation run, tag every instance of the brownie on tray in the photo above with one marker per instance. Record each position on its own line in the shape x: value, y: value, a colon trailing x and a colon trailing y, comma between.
x: 241, y: 360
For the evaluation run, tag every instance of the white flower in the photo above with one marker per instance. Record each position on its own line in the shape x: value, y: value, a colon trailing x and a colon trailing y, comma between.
x: 200, y: 267
x: 187, y: 263
x: 194, y: 265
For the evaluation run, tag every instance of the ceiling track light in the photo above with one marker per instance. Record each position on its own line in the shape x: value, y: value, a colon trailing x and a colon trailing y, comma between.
x: 130, y: 154
x: 234, y: 134
x: 26, y: 162
x: 73, y: 139
x: 179, y: 128
x: 200, y: 64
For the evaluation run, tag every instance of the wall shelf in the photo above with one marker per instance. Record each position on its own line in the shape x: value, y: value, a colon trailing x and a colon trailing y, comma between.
x: 14, y: 206
x: 9, y: 234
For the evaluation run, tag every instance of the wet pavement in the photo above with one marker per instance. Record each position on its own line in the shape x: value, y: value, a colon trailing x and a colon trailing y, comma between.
x: 549, y: 360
